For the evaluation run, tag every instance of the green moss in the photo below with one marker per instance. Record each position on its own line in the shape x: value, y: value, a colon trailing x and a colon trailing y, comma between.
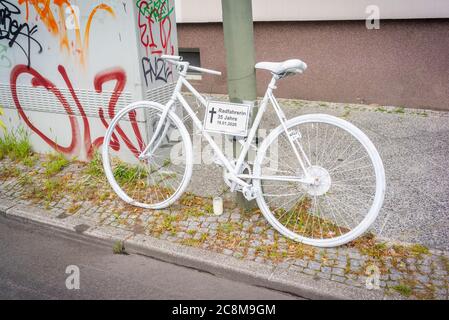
x: 226, y: 227
x: 403, y: 289
x: 418, y: 250
x: 381, y: 109
x: 399, y: 110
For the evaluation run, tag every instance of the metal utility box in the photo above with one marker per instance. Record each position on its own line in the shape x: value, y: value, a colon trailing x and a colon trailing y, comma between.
x: 66, y: 67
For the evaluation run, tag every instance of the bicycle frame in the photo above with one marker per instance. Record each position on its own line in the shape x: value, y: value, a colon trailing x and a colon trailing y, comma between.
x: 235, y: 176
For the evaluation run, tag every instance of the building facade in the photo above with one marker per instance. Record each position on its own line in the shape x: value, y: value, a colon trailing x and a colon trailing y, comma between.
x: 401, y: 59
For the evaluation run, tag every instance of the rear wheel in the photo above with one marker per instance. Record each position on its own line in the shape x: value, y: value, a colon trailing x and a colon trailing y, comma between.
x: 154, y: 182
x: 348, y: 188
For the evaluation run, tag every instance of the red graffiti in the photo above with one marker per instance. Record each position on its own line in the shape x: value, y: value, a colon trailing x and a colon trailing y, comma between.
x: 117, y: 74
x: 146, y: 25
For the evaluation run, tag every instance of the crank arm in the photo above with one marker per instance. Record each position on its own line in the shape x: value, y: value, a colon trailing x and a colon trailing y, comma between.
x: 278, y: 178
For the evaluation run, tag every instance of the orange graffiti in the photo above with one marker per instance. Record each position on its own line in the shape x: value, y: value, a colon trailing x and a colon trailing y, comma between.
x: 89, y: 21
x: 57, y: 27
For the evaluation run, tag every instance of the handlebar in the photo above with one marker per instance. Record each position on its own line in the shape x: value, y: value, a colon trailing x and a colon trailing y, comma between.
x: 204, y: 70
x: 177, y: 60
x: 170, y: 57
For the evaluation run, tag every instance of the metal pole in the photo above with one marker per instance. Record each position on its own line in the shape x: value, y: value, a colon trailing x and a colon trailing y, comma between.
x: 240, y: 59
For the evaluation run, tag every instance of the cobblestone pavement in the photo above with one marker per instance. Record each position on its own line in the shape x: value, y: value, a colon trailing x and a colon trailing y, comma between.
x: 414, y: 147
x: 68, y: 189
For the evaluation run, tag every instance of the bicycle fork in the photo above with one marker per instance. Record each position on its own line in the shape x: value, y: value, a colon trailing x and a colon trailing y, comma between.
x: 161, y: 131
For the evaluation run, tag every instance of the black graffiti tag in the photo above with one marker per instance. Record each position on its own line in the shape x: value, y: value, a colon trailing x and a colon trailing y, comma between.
x: 155, y: 70
x: 19, y: 34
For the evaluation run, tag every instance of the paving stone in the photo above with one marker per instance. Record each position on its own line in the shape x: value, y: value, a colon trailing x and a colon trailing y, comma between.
x: 251, y: 251
x: 259, y: 259
x: 227, y: 252
x: 213, y: 226
x: 246, y: 225
x: 238, y: 255
x: 235, y: 216
x: 257, y: 229
x: 340, y: 264
x: 180, y: 235
x: 205, y: 224
x: 354, y: 264
x: 314, y: 265
x: 254, y: 218
x: 338, y: 271
x: 332, y: 256
x: 422, y: 278
x: 254, y: 243
x: 309, y: 271
x: 301, y: 263
x: 396, y: 276
x: 353, y: 282
x: 424, y: 268
x: 438, y: 283
x: 354, y: 255
x: 392, y: 283
x: 223, y: 219
x: 326, y: 270
x: 323, y: 275
x: 338, y: 278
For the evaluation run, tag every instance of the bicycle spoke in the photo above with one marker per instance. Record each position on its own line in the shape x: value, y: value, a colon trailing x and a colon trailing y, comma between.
x: 343, y: 193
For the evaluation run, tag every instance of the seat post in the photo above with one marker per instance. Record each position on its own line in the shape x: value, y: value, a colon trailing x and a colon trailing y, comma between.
x: 272, y: 84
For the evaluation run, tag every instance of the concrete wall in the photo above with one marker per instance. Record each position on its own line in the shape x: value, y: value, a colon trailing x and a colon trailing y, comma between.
x: 189, y: 11
x: 75, y: 63
x: 404, y: 63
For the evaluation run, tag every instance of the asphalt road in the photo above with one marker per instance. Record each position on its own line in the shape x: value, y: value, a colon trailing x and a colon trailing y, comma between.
x: 33, y: 262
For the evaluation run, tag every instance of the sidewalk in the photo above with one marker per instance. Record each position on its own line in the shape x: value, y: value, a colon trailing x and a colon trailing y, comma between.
x: 75, y: 196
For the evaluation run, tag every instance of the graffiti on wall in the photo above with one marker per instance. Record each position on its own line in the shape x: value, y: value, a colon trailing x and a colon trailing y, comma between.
x: 17, y: 33
x: 57, y: 25
x: 5, y: 61
x: 155, y: 69
x: 37, y: 26
x: 155, y: 25
x: 78, y: 141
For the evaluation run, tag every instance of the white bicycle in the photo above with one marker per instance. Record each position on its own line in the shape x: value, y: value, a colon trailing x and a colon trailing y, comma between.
x: 324, y: 186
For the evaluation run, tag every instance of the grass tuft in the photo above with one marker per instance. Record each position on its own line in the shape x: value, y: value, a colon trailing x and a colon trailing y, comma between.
x: 95, y: 166
x: 119, y: 247
x: 15, y: 145
x: 54, y: 164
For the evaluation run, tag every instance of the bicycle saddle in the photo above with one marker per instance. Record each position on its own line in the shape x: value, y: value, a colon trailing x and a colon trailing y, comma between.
x: 288, y: 66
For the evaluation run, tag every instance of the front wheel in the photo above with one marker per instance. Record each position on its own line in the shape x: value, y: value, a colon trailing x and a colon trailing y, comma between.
x: 152, y: 182
x: 349, y: 180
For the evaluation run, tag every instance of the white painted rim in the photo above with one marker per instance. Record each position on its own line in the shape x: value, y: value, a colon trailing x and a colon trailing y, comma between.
x: 378, y: 168
x: 188, y: 149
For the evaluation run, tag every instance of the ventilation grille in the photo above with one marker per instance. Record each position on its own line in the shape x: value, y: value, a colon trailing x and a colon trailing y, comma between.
x: 161, y: 94
x: 40, y: 99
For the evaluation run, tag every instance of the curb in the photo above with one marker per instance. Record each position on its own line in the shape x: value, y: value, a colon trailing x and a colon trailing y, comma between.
x: 250, y: 272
